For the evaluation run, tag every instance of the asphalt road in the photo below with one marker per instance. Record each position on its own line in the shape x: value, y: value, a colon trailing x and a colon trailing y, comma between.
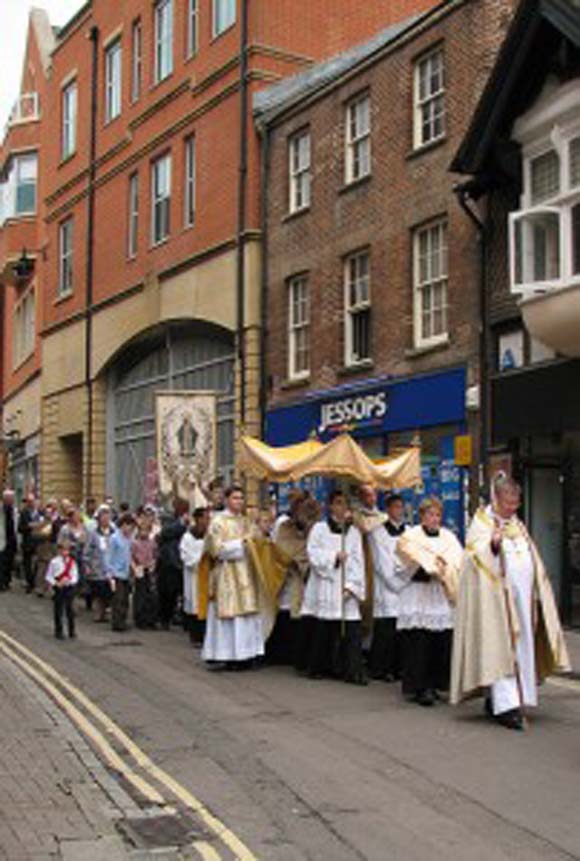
x: 299, y: 769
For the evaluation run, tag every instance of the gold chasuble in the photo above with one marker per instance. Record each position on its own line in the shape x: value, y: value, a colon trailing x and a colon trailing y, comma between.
x: 232, y: 584
x: 482, y: 651
x: 240, y: 587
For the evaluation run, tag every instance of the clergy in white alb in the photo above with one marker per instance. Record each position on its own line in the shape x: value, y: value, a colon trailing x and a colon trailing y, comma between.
x: 380, y: 535
x: 191, y: 549
x: 508, y: 633
x: 234, y: 625
x: 334, y: 593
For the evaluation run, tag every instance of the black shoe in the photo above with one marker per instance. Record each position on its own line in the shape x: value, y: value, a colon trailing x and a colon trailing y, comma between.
x: 315, y: 676
x: 72, y: 635
x: 511, y: 720
x: 488, y: 708
x: 59, y: 635
x: 425, y: 698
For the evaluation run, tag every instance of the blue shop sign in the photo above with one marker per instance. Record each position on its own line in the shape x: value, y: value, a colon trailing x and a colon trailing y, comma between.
x: 371, y: 408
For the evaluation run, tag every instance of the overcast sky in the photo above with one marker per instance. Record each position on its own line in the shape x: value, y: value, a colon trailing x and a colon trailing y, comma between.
x: 14, y: 18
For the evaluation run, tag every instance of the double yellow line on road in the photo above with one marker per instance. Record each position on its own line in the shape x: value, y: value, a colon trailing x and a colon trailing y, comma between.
x: 56, y: 685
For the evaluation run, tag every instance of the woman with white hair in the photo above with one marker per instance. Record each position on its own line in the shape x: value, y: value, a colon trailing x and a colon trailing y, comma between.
x: 95, y: 561
x: 429, y: 559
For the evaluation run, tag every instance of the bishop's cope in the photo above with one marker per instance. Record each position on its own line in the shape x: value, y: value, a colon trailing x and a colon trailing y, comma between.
x: 507, y: 631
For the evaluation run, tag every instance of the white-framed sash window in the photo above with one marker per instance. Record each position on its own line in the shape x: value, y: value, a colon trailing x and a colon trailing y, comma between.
x: 358, y: 139
x: 65, y: 257
x: 163, y: 18
x: 357, y: 308
x: 113, y: 81
x: 298, y: 327
x: 430, y: 277
x: 429, y: 99
x: 160, y: 198
x: 299, y: 171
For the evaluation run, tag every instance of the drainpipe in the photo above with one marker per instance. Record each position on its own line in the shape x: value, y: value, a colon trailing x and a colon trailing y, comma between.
x: 94, y: 39
x: 464, y: 193
x: 241, y: 225
x: 264, y: 213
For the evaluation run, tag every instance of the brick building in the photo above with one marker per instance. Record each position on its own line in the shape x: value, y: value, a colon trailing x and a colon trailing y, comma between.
x: 153, y: 253
x: 372, y: 267
x: 523, y: 152
x: 22, y: 249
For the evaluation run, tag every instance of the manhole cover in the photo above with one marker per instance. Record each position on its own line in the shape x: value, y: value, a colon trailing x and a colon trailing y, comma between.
x: 158, y: 831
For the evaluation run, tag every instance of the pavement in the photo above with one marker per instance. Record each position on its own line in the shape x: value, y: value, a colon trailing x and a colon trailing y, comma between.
x: 143, y: 754
x: 57, y: 799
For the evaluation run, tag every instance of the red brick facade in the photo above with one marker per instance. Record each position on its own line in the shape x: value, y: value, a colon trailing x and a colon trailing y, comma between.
x: 201, y: 97
x: 407, y: 188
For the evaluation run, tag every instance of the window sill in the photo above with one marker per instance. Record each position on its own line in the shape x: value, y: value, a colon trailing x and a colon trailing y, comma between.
x: 66, y: 158
x: 290, y: 216
x: 62, y: 297
x: 425, y: 148
x: 295, y: 382
x: 424, y: 349
x: 19, y: 218
x: 111, y: 120
x: 22, y: 362
x: 356, y: 368
x: 216, y: 36
x: 355, y: 183
x: 156, y: 84
x: 159, y: 243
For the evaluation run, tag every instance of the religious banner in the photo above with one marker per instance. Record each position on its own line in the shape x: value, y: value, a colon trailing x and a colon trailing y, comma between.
x: 186, y: 443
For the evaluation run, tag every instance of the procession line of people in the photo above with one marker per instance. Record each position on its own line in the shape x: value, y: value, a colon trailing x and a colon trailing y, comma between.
x: 348, y: 595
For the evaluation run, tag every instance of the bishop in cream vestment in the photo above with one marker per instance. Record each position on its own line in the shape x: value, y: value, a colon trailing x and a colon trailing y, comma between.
x: 492, y: 580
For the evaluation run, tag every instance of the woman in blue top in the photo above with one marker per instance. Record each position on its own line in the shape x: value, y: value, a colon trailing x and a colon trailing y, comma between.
x: 119, y: 570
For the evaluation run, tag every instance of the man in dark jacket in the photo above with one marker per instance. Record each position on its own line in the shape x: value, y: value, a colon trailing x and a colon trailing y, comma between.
x: 169, y: 565
x: 8, y: 542
x: 29, y: 516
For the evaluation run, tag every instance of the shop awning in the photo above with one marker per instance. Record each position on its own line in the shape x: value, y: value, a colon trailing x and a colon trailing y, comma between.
x: 342, y: 457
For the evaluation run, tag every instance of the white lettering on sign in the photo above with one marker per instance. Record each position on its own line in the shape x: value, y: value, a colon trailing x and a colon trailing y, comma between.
x: 351, y: 410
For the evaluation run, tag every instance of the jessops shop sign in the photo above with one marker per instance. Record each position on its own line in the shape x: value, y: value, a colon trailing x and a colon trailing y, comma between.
x: 388, y: 405
x: 353, y: 413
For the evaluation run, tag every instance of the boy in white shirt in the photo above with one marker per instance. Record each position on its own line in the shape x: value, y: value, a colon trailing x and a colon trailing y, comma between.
x: 62, y: 575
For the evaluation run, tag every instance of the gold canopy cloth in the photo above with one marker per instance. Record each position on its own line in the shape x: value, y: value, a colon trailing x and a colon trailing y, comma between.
x: 443, y: 562
x: 340, y: 457
x: 482, y: 651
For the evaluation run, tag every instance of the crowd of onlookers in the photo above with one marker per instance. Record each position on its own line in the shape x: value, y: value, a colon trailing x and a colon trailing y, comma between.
x: 101, y: 553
